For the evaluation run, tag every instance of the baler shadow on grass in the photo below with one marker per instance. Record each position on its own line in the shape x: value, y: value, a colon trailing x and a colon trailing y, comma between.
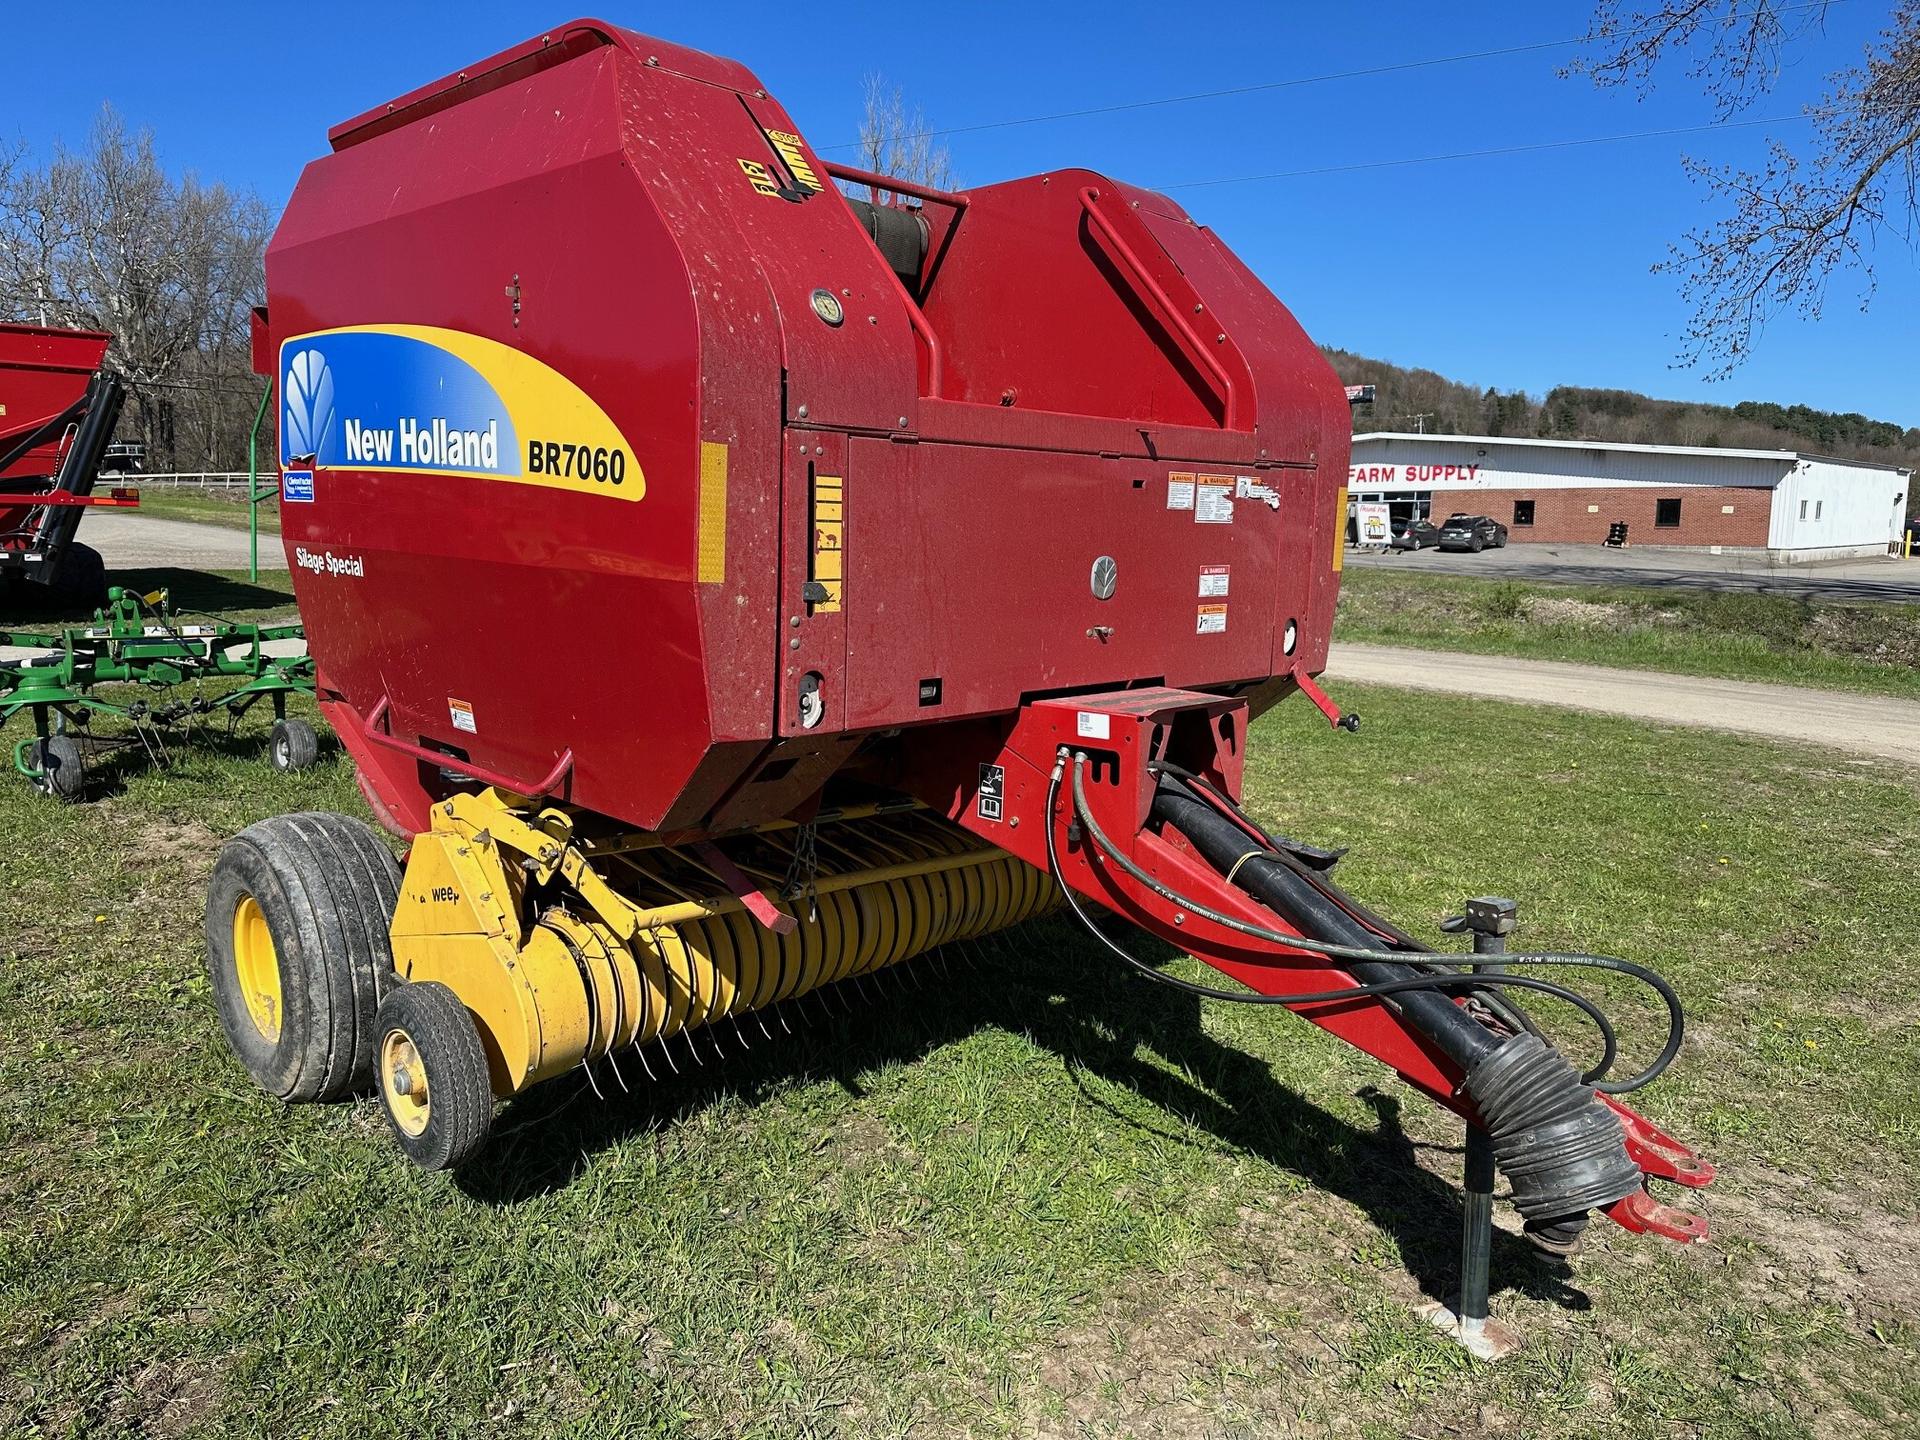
x: 1100, y: 1023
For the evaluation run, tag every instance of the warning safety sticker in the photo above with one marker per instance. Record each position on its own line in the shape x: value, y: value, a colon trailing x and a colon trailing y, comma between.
x: 1247, y: 488
x: 1213, y: 500
x: 1212, y: 620
x: 1180, y: 490
x: 1213, y: 581
x: 992, y: 800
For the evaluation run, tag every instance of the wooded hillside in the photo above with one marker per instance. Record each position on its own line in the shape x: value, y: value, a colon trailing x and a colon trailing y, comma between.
x: 1573, y: 412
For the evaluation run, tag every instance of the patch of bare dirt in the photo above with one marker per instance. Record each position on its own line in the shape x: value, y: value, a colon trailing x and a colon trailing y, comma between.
x: 166, y: 1398
x: 182, y: 843
x: 1276, y: 1331
x: 1824, y: 1246
x: 1565, y: 610
x: 1868, y: 634
x: 1262, y: 1346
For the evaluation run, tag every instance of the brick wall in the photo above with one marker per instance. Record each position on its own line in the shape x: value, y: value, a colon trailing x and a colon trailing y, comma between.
x: 1562, y: 515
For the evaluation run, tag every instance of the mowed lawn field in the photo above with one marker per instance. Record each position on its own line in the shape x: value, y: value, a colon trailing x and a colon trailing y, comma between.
x: 1030, y: 1195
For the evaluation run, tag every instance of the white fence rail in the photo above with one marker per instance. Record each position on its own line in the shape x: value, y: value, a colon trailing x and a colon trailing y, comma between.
x: 192, y: 479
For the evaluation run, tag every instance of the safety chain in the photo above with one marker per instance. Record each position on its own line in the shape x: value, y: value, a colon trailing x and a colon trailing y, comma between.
x: 804, y: 871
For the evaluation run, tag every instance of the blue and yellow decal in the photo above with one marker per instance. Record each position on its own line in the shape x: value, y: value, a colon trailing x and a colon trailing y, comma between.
x: 418, y: 399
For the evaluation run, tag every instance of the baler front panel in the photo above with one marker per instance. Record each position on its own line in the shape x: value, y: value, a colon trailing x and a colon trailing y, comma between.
x: 977, y: 578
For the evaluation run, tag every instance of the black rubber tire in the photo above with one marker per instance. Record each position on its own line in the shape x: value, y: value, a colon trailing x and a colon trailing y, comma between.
x: 62, y: 767
x: 294, y: 745
x: 1476, y: 545
x: 460, y: 1108
x: 327, y: 888
x: 82, y: 581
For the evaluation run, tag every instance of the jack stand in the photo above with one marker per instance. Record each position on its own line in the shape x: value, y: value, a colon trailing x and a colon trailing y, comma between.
x: 1491, y: 920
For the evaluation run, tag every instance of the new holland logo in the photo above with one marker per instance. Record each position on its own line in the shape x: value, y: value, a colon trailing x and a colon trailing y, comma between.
x: 309, y: 404
x: 422, y: 400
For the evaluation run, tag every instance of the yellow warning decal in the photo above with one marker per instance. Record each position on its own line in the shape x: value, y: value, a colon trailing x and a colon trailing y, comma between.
x: 713, y: 513
x: 829, y: 519
x: 1340, y: 530
x: 788, y: 146
x: 760, y: 178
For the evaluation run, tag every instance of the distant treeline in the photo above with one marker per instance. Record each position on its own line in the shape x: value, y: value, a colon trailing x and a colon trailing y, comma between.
x: 1572, y: 412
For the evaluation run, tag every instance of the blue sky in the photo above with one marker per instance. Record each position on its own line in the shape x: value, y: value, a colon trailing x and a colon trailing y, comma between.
x: 1518, y: 271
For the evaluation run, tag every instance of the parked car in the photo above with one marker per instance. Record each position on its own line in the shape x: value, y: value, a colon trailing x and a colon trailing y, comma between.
x: 1416, y: 535
x: 1472, y: 532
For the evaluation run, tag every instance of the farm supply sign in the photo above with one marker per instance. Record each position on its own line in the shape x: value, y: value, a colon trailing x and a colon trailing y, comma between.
x: 1360, y: 476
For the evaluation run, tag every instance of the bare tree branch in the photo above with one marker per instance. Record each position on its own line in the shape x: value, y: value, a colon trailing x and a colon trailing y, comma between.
x: 1786, y: 230
x: 1733, y: 48
x: 894, y: 142
x: 108, y: 240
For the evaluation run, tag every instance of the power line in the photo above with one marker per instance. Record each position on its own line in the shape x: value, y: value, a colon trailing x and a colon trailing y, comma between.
x: 1363, y: 73
x: 1490, y: 152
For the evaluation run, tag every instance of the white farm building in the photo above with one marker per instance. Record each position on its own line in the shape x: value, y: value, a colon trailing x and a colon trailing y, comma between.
x: 1789, y: 505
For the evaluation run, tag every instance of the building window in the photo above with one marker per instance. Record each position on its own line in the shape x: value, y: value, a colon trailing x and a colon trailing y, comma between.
x: 1818, y: 506
x: 1803, y: 509
x: 1666, y: 514
x: 1523, y: 512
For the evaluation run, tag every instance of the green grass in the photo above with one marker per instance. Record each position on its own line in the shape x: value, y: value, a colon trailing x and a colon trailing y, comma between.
x: 1034, y: 1197
x: 210, y: 507
x: 223, y: 594
x: 1867, y: 647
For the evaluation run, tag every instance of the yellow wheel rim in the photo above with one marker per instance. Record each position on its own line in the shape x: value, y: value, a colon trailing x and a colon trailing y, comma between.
x: 403, y: 1080
x: 256, y: 965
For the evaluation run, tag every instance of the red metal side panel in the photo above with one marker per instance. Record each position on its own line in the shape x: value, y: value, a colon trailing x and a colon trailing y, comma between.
x: 554, y: 619
x: 976, y: 567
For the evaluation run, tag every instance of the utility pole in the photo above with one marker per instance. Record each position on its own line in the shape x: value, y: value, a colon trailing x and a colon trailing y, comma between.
x: 1420, y: 422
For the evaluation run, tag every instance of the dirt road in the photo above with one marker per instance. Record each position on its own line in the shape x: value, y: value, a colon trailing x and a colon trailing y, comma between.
x: 130, y: 541
x: 1873, y: 725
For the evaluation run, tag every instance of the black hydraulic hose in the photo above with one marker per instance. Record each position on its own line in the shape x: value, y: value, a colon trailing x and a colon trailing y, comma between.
x: 1502, y: 1009
x: 1463, y: 1039
x: 1562, y: 1150
x: 1675, y: 1016
x: 1222, y: 802
x: 1437, y: 981
x: 1500, y: 1006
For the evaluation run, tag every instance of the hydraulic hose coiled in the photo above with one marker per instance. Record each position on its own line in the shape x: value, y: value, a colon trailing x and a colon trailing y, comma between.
x: 1563, y: 1151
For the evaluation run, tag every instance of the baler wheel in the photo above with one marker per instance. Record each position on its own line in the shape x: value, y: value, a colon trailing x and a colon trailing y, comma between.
x: 295, y: 744
x: 63, y: 771
x: 432, y: 1073
x: 297, y: 950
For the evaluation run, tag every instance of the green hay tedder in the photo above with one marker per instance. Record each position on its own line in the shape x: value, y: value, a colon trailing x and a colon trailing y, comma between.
x: 200, y: 670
